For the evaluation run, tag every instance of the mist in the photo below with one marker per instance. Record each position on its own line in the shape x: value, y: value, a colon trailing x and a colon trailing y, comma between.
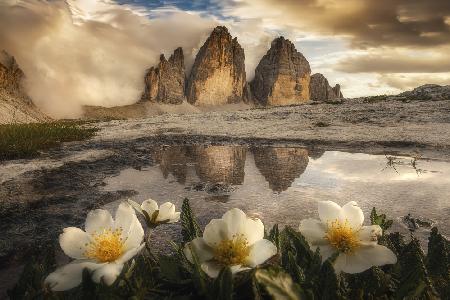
x: 71, y: 59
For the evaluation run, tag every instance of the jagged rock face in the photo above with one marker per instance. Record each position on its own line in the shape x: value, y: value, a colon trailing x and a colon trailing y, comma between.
x: 428, y: 92
x: 220, y: 164
x: 15, y: 105
x: 282, y: 76
x: 10, y: 74
x: 321, y: 90
x: 337, y: 91
x: 165, y: 83
x: 281, y: 166
x: 218, y: 74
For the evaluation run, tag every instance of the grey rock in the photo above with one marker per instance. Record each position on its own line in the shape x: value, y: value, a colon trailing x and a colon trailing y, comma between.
x: 218, y: 74
x: 165, y: 83
x: 320, y: 89
x: 428, y: 92
x: 282, y: 76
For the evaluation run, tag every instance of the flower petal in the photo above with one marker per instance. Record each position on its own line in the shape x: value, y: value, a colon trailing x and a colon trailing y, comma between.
x: 369, y: 234
x: 215, y: 232
x: 238, y: 268
x: 149, y: 206
x: 211, y: 268
x: 340, y: 263
x: 367, y: 257
x: 97, y: 220
x: 73, y: 242
x: 378, y: 255
x: 108, y: 273
x: 203, y: 251
x: 70, y: 275
x: 261, y: 251
x: 135, y: 234
x: 235, y: 219
x: 166, y: 211
x: 353, y: 214
x: 313, y: 231
x: 130, y: 254
x: 329, y: 211
x: 175, y: 217
x: 326, y: 252
x: 253, y: 230
x: 125, y: 216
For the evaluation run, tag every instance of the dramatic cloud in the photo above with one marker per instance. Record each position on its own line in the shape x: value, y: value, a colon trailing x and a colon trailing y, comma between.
x: 367, y: 23
x: 97, y: 56
x: 397, y: 61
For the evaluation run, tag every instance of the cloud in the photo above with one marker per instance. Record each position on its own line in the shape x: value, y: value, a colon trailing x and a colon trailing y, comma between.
x: 366, y: 23
x: 405, y: 81
x: 92, y: 55
x: 396, y: 61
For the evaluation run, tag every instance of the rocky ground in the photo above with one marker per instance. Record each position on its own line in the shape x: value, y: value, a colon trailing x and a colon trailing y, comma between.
x: 56, y: 189
x: 356, y: 125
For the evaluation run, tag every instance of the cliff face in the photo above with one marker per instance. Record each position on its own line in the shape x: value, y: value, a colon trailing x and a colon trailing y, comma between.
x: 218, y: 74
x: 282, y: 76
x: 321, y: 90
x: 15, y: 105
x: 165, y: 83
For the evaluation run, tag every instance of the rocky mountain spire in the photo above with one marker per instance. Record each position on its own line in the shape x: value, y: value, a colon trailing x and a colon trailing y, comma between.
x: 10, y: 75
x: 218, y: 74
x: 321, y: 90
x: 165, y: 83
x: 282, y: 76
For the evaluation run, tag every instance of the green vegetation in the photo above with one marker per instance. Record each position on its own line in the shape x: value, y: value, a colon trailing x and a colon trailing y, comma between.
x: 373, y: 99
x: 26, y: 140
x: 296, y: 272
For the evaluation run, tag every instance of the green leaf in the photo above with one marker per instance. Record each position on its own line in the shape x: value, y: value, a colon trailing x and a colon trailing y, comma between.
x: 380, y: 220
x: 169, y: 268
x: 278, y: 284
x: 415, y: 281
x: 438, y: 262
x: 329, y: 285
x: 223, y: 285
x: 189, y: 226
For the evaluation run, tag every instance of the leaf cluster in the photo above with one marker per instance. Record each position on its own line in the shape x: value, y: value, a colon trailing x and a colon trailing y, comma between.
x: 296, y: 272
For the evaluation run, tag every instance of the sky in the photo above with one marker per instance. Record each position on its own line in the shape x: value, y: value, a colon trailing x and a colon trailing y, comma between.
x: 95, y: 52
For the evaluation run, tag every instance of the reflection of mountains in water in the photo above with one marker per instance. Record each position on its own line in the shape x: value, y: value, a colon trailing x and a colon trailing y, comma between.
x: 225, y: 164
x: 281, y: 166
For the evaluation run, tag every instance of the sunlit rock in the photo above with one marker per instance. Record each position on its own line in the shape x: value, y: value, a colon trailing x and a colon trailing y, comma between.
x: 165, y: 83
x: 218, y: 74
x: 282, y: 76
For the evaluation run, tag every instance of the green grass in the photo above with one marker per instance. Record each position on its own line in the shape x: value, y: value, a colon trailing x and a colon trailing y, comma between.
x: 27, y: 140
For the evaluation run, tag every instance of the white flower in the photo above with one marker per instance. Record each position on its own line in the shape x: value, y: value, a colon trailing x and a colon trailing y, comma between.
x: 156, y: 215
x: 103, y: 247
x: 340, y: 230
x: 235, y: 241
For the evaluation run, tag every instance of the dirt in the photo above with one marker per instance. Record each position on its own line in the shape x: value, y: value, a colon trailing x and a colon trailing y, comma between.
x: 56, y: 189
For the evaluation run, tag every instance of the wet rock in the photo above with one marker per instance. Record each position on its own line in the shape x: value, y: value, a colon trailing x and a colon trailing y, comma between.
x: 165, y: 83
x: 415, y: 223
x: 281, y: 166
x: 282, y: 76
x: 218, y: 74
x: 320, y: 89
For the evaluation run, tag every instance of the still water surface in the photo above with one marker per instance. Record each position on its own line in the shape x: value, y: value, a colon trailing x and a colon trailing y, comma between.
x: 283, y: 185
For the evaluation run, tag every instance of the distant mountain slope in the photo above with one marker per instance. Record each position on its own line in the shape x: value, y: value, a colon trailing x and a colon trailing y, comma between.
x: 15, y: 105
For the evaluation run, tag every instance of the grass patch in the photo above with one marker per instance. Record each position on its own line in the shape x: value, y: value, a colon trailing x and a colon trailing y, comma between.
x: 26, y: 140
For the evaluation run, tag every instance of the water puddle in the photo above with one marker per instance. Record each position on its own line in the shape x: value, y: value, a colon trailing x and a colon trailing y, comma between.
x: 283, y: 185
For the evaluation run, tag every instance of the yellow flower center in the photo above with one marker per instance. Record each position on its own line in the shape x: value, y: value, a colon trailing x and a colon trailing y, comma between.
x: 342, y: 236
x: 232, y: 252
x: 106, y: 246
